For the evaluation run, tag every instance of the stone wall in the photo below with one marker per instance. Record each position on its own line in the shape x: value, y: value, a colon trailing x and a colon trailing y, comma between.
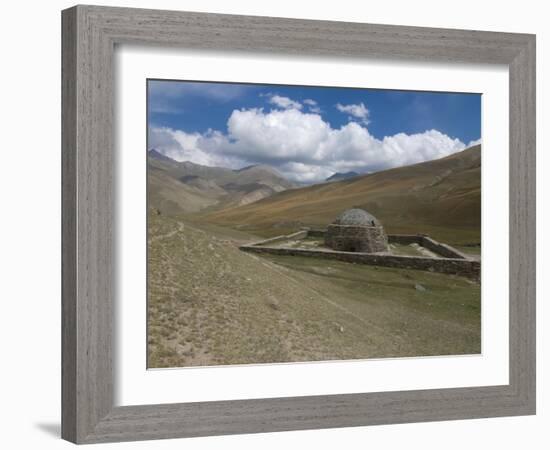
x: 464, y: 267
x: 405, y: 239
x: 351, y: 238
x: 298, y: 235
x: 425, y: 241
x: 316, y: 233
x: 451, y: 262
x: 441, y: 249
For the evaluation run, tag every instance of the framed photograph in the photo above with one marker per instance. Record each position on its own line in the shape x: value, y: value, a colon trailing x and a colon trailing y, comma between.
x: 278, y: 224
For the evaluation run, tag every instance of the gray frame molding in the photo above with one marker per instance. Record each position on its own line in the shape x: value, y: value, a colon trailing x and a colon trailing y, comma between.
x: 89, y: 36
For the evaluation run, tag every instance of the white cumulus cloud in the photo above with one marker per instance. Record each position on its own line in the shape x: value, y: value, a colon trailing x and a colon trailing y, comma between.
x: 358, y: 111
x: 312, y: 106
x: 301, y: 145
x: 284, y: 102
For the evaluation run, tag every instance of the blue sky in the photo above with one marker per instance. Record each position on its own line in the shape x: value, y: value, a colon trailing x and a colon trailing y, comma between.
x: 308, y: 133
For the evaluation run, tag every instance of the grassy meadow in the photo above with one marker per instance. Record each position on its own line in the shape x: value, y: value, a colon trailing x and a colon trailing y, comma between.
x: 211, y: 304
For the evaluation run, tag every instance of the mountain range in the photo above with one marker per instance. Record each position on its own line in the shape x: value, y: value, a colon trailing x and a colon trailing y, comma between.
x: 342, y: 176
x: 441, y: 198
x: 185, y: 187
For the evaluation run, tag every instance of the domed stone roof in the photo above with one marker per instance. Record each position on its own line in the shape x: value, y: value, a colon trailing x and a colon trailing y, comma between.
x: 358, y: 218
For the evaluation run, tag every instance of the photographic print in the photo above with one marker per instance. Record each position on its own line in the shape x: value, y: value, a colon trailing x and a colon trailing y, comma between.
x: 306, y: 223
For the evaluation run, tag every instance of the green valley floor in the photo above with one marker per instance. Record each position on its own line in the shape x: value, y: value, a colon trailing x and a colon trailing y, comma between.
x: 211, y: 304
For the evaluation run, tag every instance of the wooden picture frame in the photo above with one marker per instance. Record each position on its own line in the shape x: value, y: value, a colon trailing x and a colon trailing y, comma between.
x: 90, y: 34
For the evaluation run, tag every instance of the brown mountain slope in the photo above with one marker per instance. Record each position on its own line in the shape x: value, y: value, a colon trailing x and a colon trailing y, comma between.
x: 170, y: 196
x: 184, y: 187
x: 441, y: 198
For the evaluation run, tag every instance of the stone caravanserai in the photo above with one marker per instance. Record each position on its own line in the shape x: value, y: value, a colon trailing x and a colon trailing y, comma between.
x: 356, y: 230
x: 358, y: 237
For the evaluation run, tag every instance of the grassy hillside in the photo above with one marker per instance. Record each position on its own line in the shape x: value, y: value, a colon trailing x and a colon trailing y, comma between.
x: 184, y: 187
x: 210, y: 303
x: 170, y: 196
x: 441, y: 198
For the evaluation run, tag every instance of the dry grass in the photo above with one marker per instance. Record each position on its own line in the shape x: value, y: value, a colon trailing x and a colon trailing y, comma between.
x: 441, y: 198
x: 209, y: 304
